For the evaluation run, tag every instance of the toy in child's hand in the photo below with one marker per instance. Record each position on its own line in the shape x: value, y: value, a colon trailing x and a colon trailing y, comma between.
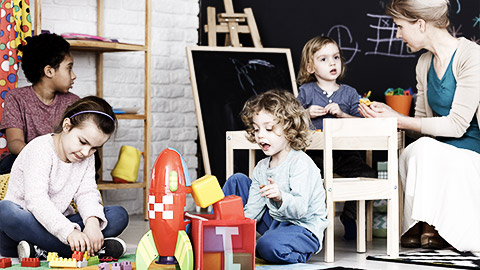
x: 365, y: 99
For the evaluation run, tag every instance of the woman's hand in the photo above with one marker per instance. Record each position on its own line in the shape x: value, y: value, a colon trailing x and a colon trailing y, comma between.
x: 79, y: 241
x: 92, y: 230
x: 378, y: 110
x: 315, y: 111
x: 271, y: 191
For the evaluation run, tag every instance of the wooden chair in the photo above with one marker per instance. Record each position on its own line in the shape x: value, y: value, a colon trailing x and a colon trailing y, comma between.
x: 362, y: 134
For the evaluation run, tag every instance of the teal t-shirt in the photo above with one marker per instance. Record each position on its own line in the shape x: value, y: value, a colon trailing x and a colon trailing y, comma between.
x: 440, y: 97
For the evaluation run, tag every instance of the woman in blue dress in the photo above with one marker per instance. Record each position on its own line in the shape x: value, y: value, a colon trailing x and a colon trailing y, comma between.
x: 441, y: 171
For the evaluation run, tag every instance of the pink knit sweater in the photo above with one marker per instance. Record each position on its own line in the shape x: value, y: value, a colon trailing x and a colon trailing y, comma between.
x: 44, y: 185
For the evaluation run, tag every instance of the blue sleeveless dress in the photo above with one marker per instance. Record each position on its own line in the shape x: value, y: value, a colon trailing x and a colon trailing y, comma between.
x: 440, y: 97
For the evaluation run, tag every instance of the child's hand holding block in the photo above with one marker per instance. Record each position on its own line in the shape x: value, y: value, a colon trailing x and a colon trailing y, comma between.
x: 206, y: 191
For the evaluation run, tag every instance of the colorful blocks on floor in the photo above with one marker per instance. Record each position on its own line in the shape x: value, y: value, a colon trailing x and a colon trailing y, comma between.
x: 63, y: 262
x: 78, y: 255
x: 30, y: 262
x: 126, y: 265
x: 51, y: 256
x: 229, y: 208
x: 5, y: 262
x: 93, y: 260
x: 206, y: 191
x: 104, y: 266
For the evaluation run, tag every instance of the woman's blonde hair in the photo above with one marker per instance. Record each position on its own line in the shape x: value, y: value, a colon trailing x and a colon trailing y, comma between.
x: 288, y: 112
x: 434, y: 11
x: 310, y: 48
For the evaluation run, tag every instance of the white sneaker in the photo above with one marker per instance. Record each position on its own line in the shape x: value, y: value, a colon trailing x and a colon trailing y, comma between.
x: 27, y: 250
x: 112, y: 247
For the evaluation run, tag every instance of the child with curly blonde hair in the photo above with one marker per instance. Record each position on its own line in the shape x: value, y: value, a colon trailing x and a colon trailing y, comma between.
x: 286, y: 194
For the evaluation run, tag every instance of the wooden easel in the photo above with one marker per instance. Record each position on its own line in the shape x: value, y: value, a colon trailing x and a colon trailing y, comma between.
x: 229, y: 24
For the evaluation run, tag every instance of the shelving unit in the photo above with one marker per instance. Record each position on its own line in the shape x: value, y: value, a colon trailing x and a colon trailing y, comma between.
x: 99, y: 48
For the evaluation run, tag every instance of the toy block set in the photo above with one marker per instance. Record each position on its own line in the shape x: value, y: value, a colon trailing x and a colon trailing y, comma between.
x: 78, y: 260
x: 222, y: 240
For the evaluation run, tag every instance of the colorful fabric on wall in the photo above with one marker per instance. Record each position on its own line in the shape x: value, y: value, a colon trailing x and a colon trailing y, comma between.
x: 15, y: 26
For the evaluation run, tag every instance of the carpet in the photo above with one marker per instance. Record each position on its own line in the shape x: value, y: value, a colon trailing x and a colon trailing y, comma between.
x: 443, y: 258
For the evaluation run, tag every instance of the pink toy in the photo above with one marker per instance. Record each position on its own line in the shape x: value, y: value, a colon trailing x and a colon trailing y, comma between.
x: 170, y: 183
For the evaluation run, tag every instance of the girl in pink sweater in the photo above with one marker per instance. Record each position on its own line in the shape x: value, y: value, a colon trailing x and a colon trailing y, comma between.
x: 50, y: 172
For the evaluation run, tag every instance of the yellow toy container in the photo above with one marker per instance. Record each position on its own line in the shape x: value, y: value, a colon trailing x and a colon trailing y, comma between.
x: 206, y: 191
x: 126, y: 169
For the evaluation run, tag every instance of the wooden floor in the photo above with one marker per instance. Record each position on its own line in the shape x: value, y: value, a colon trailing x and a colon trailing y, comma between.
x: 345, y: 251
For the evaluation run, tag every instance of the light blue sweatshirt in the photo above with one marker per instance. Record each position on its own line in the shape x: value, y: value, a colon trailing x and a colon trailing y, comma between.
x: 303, y: 194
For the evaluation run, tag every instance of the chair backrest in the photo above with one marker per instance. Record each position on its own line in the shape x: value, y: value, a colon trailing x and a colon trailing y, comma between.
x: 360, y: 134
x: 236, y: 140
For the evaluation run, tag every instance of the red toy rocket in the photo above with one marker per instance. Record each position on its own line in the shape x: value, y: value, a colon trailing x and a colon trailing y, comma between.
x: 169, y: 186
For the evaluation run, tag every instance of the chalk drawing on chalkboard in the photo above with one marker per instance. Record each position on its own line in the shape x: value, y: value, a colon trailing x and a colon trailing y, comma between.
x: 344, y: 38
x: 386, y: 42
x: 476, y: 20
x: 243, y: 72
x: 459, y: 6
x: 456, y: 31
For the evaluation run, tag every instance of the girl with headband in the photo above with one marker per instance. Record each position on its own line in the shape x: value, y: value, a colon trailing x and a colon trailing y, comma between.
x: 52, y: 171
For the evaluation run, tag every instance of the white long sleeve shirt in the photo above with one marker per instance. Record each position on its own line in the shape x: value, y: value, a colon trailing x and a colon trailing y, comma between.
x: 44, y: 185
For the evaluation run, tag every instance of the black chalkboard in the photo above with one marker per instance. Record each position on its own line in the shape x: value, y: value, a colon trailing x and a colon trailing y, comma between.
x: 376, y: 60
x: 222, y: 80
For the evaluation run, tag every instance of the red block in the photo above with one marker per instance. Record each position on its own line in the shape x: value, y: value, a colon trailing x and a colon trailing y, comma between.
x: 243, y: 242
x: 77, y: 255
x: 5, y: 262
x: 30, y: 262
x: 229, y: 208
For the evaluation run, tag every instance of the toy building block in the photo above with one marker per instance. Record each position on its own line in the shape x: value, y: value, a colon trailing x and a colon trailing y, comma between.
x: 93, y: 261
x: 63, y: 262
x: 81, y: 264
x: 5, y: 262
x: 116, y: 266
x: 184, y: 251
x: 30, y: 262
x: 86, y: 256
x: 51, y: 256
x: 78, y: 255
x: 126, y: 265
x: 104, y: 266
x: 146, y: 251
x: 206, y: 191
x: 229, y: 208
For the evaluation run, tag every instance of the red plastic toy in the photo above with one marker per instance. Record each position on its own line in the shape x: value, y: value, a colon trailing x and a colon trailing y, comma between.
x: 5, y: 262
x: 108, y: 259
x: 170, y: 183
x: 77, y: 255
x: 30, y: 262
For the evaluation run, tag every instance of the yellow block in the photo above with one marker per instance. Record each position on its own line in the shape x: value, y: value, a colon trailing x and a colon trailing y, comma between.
x: 63, y: 262
x: 206, y: 191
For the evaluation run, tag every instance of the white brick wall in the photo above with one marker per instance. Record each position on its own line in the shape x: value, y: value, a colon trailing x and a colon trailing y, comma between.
x: 174, y: 26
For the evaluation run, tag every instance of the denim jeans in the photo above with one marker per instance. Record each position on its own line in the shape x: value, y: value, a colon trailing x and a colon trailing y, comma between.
x: 281, y: 242
x: 17, y: 224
